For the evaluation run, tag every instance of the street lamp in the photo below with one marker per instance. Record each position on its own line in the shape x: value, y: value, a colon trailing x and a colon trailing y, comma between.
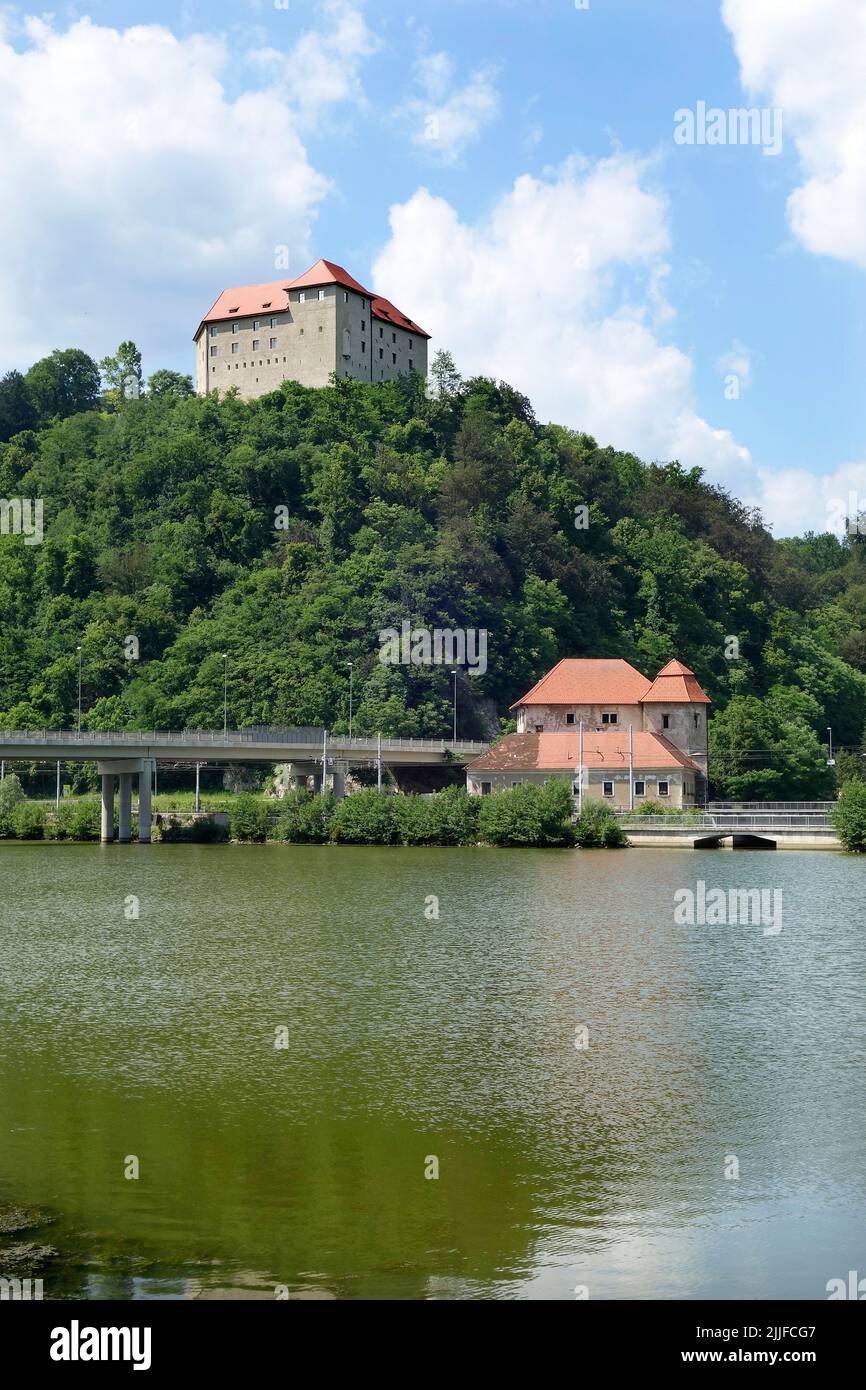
x: 225, y: 657
x: 78, y: 649
x: 831, y: 761
x: 454, y: 674
x: 350, y: 665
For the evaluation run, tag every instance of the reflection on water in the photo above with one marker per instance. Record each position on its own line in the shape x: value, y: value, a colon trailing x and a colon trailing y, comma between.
x: 302, y: 1168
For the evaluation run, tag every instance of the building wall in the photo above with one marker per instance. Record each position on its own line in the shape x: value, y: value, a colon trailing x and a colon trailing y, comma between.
x: 682, y: 731
x: 311, y: 338
x: 553, y: 718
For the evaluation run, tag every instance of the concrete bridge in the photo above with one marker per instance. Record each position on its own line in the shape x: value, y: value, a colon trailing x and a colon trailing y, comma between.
x: 756, y: 828
x: 312, y: 752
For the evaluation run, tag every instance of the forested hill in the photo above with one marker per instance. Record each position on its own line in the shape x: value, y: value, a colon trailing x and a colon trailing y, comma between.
x: 163, y: 522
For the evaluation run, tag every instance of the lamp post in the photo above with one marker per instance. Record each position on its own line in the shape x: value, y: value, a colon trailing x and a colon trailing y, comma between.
x: 831, y: 761
x: 78, y: 649
x: 350, y: 665
x: 225, y: 656
x: 454, y: 738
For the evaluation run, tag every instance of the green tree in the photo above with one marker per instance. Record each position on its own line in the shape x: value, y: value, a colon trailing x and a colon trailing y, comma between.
x: 167, y: 385
x: 63, y: 384
x: 849, y: 816
x: 121, y: 374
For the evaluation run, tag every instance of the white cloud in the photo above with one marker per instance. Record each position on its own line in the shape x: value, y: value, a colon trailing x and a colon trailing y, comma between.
x: 447, y: 118
x: 811, y: 59
x: 558, y: 291
x: 799, y: 500
x: 322, y: 68
x: 133, y: 189
x: 738, y: 362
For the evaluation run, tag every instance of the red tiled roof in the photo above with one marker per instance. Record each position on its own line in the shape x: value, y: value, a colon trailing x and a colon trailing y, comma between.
x: 561, y: 753
x: 588, y: 681
x: 247, y: 300
x: 676, y: 684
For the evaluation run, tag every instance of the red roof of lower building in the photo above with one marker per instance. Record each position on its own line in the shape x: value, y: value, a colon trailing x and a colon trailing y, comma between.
x: 246, y: 301
x: 561, y: 753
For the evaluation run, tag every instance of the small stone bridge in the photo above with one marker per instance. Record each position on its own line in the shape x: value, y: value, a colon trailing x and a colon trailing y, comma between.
x: 770, y: 825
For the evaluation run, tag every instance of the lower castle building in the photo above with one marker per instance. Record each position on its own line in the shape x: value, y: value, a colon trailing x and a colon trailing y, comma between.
x: 324, y: 322
x: 610, y: 731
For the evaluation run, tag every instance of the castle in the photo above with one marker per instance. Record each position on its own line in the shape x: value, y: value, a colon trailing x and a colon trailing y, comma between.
x: 612, y: 732
x: 323, y: 322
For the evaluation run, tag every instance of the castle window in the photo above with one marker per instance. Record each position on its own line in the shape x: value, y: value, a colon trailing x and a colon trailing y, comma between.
x: 236, y: 347
x: 381, y: 331
x: 697, y: 720
x: 611, y: 718
x: 663, y: 789
x: 363, y: 347
x: 607, y: 788
x: 321, y: 294
x: 666, y: 721
x: 569, y: 718
x: 485, y: 788
x: 640, y: 788
x: 393, y: 337
x: 213, y: 332
x: 321, y: 328
x: 411, y: 365
x: 363, y: 325
x: 235, y: 327
x: 302, y: 297
x: 363, y: 303
x: 411, y: 343
x: 274, y: 323
x: 381, y: 353
x: 257, y: 323
x: 214, y: 351
x: 257, y: 342
x: 347, y: 343
x: 273, y: 342
x: 394, y: 358
x: 345, y: 296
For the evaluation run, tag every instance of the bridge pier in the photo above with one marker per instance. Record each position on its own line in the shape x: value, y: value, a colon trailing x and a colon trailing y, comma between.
x: 125, y: 808
x: 107, y: 831
x: 145, y: 781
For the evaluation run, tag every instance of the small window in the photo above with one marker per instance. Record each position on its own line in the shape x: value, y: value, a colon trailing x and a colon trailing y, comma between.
x: 611, y: 718
x: 381, y: 331
x: 569, y: 719
x: 257, y: 323
x: 640, y: 788
x: 663, y: 789
x: 274, y: 323
x: 257, y: 342
x: 302, y: 296
x: 302, y: 332
x: 236, y: 347
x: 607, y: 788
x: 411, y: 343
x: 363, y: 303
x: 666, y: 721
x: 381, y: 353
x: 214, y: 351
x: 697, y: 720
x: 411, y: 365
x: 235, y: 327
x: 363, y: 348
x: 213, y: 332
x: 273, y: 342
x: 345, y: 296
x: 321, y: 294
x: 393, y: 337
x: 363, y: 325
x: 394, y: 358
x: 539, y: 728
x: 486, y: 788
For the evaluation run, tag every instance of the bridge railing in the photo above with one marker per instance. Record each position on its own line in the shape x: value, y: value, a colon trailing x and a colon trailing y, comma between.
x: 208, y: 738
x: 728, y: 821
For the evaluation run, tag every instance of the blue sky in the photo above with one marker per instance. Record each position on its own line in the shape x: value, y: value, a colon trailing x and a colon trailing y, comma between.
x: 505, y: 170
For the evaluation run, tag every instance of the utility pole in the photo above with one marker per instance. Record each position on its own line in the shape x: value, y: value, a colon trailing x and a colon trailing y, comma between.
x: 631, y: 770
x: 831, y: 761
x: 197, y: 794
x: 57, y: 797
x: 379, y: 763
x: 454, y: 738
x: 580, y: 768
x: 78, y: 649
x: 324, y: 762
x: 350, y: 665
x: 225, y: 695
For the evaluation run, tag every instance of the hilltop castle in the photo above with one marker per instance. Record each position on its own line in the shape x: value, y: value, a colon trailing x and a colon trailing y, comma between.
x: 258, y: 336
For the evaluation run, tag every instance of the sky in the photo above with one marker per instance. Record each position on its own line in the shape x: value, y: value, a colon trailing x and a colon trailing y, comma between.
x: 554, y: 190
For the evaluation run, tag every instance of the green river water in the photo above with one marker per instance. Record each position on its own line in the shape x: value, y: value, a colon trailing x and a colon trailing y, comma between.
x: 411, y: 1039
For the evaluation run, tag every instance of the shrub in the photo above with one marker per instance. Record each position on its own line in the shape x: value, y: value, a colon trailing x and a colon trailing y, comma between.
x: 11, y: 795
x: 598, y: 827
x: 448, y: 817
x: 305, y: 818
x: 849, y: 816
x: 250, y: 819
x: 28, y: 821
x: 528, y: 815
x: 367, y: 818
x: 76, y: 820
x: 653, y: 808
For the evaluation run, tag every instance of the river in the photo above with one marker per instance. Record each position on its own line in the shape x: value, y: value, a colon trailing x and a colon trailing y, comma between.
x: 287, y: 1045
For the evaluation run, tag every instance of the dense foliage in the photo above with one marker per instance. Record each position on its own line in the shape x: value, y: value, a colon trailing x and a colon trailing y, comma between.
x: 288, y: 531
x: 849, y: 817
